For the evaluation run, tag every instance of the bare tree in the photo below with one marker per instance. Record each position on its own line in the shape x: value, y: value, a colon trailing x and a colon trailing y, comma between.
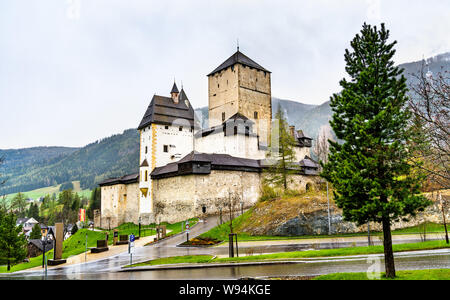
x: 322, y: 149
x: 430, y: 106
x: 321, y: 146
x: 228, y: 207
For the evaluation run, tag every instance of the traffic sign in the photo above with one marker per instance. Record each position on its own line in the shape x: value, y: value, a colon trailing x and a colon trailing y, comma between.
x: 132, y: 237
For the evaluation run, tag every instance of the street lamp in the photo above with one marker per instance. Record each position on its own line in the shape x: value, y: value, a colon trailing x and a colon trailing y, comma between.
x: 44, y: 260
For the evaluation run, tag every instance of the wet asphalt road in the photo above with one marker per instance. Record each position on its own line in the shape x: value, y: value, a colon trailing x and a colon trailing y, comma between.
x: 108, y: 268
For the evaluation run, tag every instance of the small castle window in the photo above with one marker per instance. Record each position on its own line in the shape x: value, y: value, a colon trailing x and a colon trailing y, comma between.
x: 146, y: 149
x: 166, y: 148
x: 223, y: 116
x: 181, y: 128
x: 146, y: 175
x: 218, y: 85
x: 255, y: 115
x: 166, y: 127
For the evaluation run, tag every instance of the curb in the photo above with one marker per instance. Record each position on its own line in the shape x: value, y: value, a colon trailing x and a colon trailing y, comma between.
x: 208, y: 265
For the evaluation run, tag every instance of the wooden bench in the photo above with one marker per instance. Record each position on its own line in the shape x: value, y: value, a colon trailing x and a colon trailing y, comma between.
x: 123, y: 239
x: 102, y: 245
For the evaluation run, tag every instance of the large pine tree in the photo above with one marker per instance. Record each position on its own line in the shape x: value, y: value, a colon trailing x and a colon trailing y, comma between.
x: 369, y: 170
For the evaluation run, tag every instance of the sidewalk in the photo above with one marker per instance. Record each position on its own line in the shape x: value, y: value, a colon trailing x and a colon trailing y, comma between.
x: 89, y: 257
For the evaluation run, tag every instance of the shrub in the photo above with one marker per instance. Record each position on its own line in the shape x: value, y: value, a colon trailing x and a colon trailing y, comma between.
x: 268, y: 193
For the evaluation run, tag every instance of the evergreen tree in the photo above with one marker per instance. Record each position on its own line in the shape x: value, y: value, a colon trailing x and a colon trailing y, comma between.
x: 33, y: 211
x: 95, y: 202
x: 36, y: 232
x: 19, y: 204
x: 369, y: 170
x: 281, y: 156
x: 13, y: 244
x: 74, y: 229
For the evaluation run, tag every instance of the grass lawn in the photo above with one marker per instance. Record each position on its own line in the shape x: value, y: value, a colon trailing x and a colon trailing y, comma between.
x: 76, y: 244
x: 41, y: 192
x: 305, y: 254
x: 221, y: 232
x: 430, y: 274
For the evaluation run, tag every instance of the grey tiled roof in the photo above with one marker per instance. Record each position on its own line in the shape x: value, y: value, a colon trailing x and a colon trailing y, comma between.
x: 240, y: 58
x: 163, y: 110
x: 130, y: 178
x: 309, y: 162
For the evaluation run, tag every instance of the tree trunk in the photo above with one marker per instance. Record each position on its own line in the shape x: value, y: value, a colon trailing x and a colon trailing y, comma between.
x: 388, y: 253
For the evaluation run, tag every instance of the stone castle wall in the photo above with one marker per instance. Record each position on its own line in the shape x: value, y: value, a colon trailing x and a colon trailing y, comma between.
x: 120, y: 204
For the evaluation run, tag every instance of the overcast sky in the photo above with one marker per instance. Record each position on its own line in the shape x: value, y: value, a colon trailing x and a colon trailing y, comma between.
x: 75, y: 71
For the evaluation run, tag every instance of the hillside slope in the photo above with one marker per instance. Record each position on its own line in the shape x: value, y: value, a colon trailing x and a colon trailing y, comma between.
x: 113, y: 156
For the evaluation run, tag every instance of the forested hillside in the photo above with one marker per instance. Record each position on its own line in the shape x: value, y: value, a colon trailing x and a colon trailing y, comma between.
x: 28, y: 169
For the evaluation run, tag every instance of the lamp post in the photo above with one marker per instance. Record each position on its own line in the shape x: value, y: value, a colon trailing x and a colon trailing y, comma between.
x: 44, y: 243
x: 443, y: 207
x: 139, y: 220
x: 44, y: 260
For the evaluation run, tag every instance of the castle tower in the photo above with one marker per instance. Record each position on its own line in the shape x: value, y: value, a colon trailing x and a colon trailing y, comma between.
x: 240, y: 85
x: 166, y: 135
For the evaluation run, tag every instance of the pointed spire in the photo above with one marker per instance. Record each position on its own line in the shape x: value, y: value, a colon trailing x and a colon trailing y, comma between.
x: 174, y: 88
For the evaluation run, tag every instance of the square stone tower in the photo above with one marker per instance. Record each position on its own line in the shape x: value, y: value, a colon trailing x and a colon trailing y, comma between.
x: 240, y: 85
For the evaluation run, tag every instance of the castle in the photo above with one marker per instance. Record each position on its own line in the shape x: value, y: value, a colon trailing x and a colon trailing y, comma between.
x: 186, y: 170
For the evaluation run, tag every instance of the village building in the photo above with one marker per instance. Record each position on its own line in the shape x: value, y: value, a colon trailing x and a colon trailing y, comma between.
x: 185, y: 169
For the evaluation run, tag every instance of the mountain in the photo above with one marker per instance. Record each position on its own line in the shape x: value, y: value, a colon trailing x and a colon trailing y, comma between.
x: 28, y: 169
x: 32, y: 168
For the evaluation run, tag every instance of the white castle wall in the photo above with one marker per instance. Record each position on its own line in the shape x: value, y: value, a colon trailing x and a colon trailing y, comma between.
x: 235, y: 145
x: 179, y: 141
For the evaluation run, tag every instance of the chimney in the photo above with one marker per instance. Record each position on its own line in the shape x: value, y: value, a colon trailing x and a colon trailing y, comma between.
x: 292, y: 130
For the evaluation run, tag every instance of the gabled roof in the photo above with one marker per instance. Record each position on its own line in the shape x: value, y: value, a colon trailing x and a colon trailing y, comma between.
x: 38, y: 244
x: 144, y: 163
x: 163, y: 110
x: 300, y: 135
x: 240, y: 58
x: 238, y: 117
x: 130, y: 178
x: 309, y: 162
x: 235, y: 120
